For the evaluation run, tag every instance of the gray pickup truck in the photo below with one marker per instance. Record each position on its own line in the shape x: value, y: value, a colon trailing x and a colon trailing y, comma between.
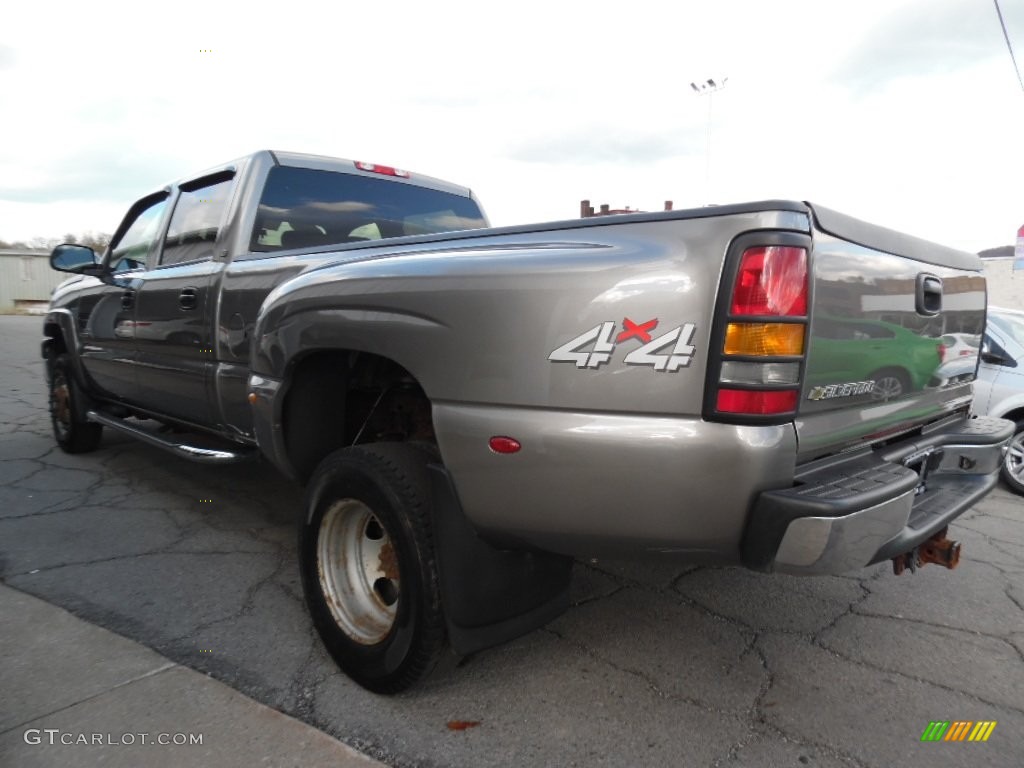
x: 469, y: 407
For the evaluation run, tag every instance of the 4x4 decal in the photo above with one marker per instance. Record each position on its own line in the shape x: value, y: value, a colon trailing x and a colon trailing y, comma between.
x: 593, y: 348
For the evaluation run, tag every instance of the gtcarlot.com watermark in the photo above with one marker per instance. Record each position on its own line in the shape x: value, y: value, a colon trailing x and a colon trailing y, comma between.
x: 55, y: 736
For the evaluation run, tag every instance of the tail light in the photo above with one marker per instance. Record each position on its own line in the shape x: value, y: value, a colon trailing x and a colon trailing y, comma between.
x: 941, y: 349
x: 385, y: 170
x: 771, y: 281
x: 763, y: 341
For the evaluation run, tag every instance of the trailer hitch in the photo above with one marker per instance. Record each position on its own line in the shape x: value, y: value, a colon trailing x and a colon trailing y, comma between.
x: 938, y: 549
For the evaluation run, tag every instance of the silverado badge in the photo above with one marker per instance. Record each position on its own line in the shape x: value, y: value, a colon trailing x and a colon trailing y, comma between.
x: 850, y: 389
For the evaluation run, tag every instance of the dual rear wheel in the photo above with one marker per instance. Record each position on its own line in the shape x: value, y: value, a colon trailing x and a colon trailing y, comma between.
x: 369, y: 572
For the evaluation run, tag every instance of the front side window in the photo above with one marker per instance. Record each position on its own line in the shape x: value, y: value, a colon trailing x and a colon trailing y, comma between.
x: 302, y: 208
x: 195, y: 223
x: 130, y: 250
x: 1011, y: 325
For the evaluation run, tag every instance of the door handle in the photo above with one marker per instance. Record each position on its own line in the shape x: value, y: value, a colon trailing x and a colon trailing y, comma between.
x: 188, y: 298
x: 929, y: 294
x: 127, y: 299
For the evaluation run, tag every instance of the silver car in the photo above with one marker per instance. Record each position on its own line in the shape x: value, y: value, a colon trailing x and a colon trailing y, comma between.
x: 999, y: 388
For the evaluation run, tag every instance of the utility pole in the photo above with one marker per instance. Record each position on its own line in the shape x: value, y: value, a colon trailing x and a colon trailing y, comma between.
x: 708, y: 88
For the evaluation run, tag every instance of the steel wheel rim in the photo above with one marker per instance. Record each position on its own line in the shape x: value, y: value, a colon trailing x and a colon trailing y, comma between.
x: 1014, y: 459
x: 358, y: 570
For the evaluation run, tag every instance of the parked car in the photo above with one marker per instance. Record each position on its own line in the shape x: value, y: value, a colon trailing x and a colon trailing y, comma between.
x: 960, y: 345
x: 999, y: 389
x: 897, y: 360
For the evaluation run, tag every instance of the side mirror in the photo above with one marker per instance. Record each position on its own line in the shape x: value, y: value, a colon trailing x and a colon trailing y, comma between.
x: 993, y: 357
x: 76, y: 259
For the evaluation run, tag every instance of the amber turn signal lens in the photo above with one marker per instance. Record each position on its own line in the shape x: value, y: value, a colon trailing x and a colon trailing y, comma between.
x: 764, y: 339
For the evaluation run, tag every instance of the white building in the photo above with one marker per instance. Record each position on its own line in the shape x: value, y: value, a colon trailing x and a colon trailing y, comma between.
x: 1005, y: 287
x: 26, y: 281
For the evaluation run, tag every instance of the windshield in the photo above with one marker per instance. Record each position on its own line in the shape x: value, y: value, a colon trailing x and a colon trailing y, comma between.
x: 302, y: 208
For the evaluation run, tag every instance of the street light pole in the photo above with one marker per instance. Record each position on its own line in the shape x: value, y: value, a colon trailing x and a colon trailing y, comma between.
x: 708, y: 88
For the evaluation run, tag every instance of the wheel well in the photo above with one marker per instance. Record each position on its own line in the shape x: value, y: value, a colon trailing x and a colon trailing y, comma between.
x: 1016, y: 415
x: 340, y: 397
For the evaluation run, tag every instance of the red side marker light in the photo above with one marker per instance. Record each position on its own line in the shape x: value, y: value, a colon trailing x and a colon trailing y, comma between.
x: 502, y: 444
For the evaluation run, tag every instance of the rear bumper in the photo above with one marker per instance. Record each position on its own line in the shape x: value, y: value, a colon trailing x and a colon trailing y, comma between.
x: 846, y: 513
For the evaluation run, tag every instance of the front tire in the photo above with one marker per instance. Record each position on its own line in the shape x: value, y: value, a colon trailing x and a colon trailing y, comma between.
x: 1013, y: 461
x: 73, y: 432
x: 369, y: 572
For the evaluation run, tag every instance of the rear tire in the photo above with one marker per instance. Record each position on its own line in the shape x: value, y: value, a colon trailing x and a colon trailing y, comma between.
x: 369, y: 572
x: 1013, y: 461
x: 73, y: 432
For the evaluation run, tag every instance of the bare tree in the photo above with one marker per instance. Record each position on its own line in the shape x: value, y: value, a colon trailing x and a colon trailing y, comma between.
x: 43, y: 243
x: 98, y: 241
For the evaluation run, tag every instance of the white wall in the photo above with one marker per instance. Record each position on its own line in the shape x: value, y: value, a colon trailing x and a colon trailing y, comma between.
x: 26, y: 276
x: 1005, y: 287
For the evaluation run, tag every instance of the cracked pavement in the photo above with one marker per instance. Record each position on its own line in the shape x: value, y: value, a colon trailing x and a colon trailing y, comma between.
x: 654, y: 664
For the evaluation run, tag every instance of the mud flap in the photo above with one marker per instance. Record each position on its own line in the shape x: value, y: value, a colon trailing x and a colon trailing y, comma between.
x: 490, y: 595
x: 49, y: 353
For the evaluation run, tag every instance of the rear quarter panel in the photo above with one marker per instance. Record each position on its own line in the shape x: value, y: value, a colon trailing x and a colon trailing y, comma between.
x: 615, y: 457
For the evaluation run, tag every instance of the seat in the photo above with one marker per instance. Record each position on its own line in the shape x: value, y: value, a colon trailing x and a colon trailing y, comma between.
x: 303, y: 236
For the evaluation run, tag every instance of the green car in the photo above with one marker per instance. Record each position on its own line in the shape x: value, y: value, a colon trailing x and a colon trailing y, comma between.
x: 848, y: 350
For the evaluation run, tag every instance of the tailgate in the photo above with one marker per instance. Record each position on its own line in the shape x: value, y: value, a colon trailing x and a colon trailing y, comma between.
x: 895, y: 330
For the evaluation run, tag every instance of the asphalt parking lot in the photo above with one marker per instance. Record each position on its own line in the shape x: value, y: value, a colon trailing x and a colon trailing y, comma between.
x: 654, y: 665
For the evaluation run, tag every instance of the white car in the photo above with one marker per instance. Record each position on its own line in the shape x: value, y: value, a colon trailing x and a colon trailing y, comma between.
x: 999, y: 388
x: 956, y: 345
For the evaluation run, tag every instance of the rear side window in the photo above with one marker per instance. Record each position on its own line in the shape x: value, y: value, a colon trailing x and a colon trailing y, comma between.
x: 192, y: 233
x: 301, y: 208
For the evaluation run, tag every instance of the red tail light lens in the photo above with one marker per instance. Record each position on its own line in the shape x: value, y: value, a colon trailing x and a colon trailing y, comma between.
x: 772, y: 280
x: 386, y: 170
x: 761, y: 403
x: 941, y: 349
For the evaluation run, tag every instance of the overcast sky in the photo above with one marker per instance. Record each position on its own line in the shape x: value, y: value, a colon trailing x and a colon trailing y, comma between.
x: 906, y: 113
